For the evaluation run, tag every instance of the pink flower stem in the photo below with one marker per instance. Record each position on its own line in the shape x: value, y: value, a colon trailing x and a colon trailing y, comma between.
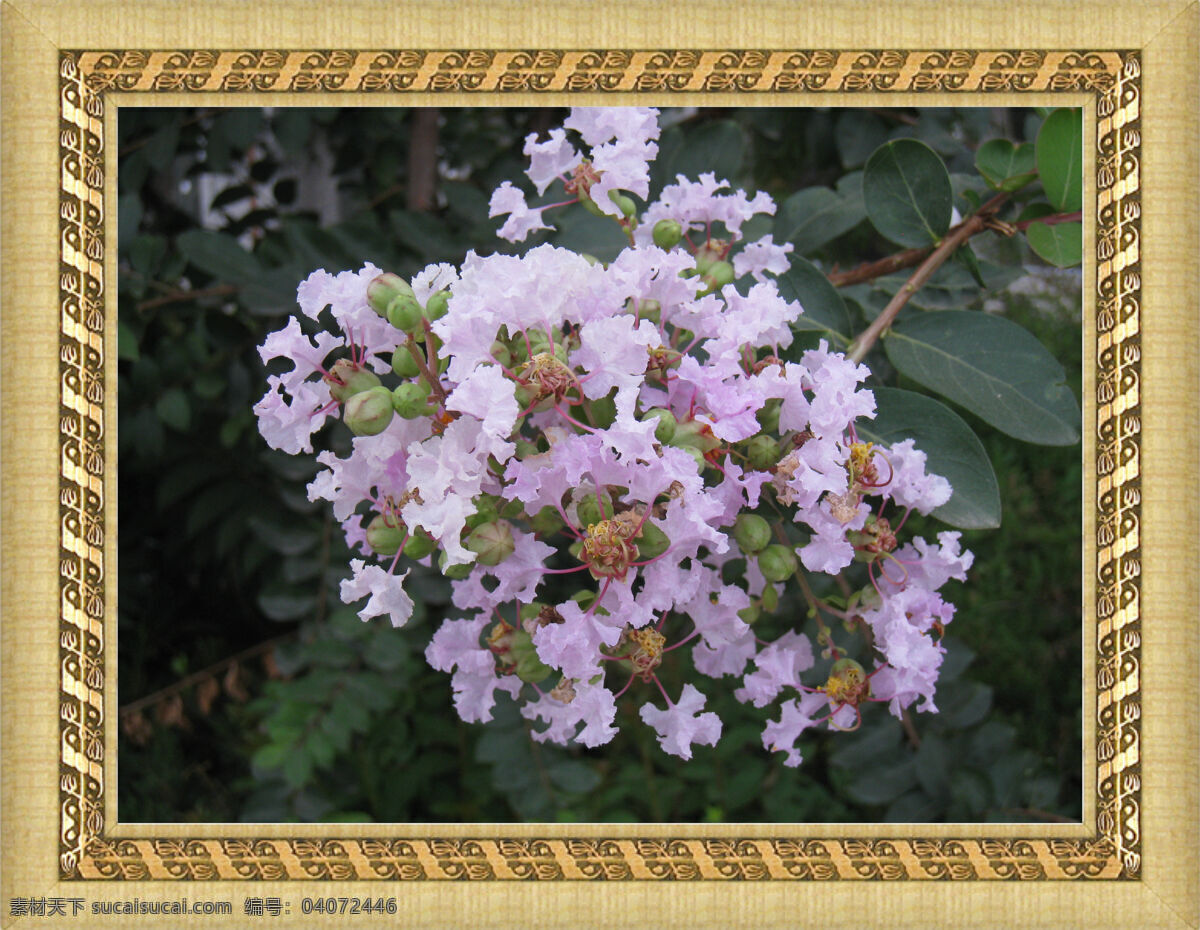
x: 570, y: 419
x: 666, y: 698
x: 692, y: 635
x: 626, y: 688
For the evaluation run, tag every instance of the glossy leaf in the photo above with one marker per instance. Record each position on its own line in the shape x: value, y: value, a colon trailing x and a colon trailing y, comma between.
x: 1006, y: 167
x: 824, y: 310
x: 1059, y: 150
x: 952, y: 450
x: 994, y: 368
x: 816, y: 215
x: 1060, y: 245
x: 907, y: 193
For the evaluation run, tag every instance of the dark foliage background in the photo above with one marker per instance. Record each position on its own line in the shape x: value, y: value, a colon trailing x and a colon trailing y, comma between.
x: 249, y: 692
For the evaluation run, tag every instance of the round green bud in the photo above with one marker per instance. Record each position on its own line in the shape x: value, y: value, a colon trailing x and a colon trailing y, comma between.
x: 403, y: 363
x: 410, y: 399
x: 385, y: 533
x: 664, y: 431
x: 777, y: 563
x: 770, y: 599
x: 652, y: 543
x: 717, y: 276
x: 749, y: 614
x: 546, y: 522
x: 437, y: 305
x: 668, y: 233
x: 768, y: 415
x: 698, y: 456
x: 345, y: 379
x: 752, y: 533
x: 453, y: 572
x: 369, y: 412
x: 404, y: 313
x: 707, y: 255
x: 501, y: 354
x: 762, y: 452
x: 530, y: 668
x: 384, y: 289
x: 492, y: 542
x: 624, y: 204
x: 589, y: 513
x: 419, y: 545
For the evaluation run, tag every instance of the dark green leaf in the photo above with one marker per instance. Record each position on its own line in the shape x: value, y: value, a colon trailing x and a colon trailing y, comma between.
x: 882, y: 784
x: 824, y: 309
x: 932, y: 764
x: 1060, y: 245
x: 994, y: 368
x: 218, y: 254
x: 1005, y: 166
x: 573, y: 776
x: 914, y: 807
x: 127, y: 346
x: 719, y: 147
x: 858, y: 134
x: 1059, y: 150
x: 952, y: 450
x: 811, y: 217
x: 281, y: 605
x: 907, y: 193
x: 173, y: 409
x: 146, y: 253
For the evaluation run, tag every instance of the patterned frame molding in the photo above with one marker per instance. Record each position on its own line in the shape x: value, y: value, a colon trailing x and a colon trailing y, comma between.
x: 86, y: 80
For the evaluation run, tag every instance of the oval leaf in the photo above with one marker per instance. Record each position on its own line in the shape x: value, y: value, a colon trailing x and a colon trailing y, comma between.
x: 1059, y: 151
x: 907, y: 192
x: 951, y: 449
x: 811, y: 217
x: 993, y: 367
x: 1005, y: 166
x: 1060, y: 244
x: 718, y: 147
x: 824, y: 309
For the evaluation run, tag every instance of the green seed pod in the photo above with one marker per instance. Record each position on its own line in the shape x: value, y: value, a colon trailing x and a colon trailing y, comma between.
x: 404, y: 313
x: 762, y: 452
x: 588, y: 510
x: 453, y: 572
x: 369, y: 412
x: 709, y: 254
x: 345, y: 379
x: 590, y: 205
x: 403, y: 363
x: 625, y: 204
x: 384, y: 289
x: 770, y: 599
x: 749, y: 614
x: 410, y: 400
x: 385, y: 533
x: 419, y: 545
x: 752, y: 533
x: 777, y: 563
x: 668, y: 233
x: 652, y: 543
x: 665, y: 430
x: 437, y: 305
x: 492, y: 542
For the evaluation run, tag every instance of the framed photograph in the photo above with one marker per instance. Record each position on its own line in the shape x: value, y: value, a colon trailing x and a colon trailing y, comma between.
x: 393, y: 394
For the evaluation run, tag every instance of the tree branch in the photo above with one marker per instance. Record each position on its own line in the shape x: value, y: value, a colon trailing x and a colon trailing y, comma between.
x: 947, y: 247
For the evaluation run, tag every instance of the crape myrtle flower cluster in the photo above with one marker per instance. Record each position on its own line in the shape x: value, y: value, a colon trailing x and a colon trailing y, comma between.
x: 634, y: 424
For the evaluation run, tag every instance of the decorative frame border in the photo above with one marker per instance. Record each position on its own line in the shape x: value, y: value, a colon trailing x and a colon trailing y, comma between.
x: 1113, y: 78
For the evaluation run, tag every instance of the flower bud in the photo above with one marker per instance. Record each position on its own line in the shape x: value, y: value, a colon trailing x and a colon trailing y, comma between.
x: 749, y: 614
x: 437, y: 305
x: 768, y: 415
x: 345, y: 379
x: 384, y: 289
x: 385, y: 533
x: 411, y: 399
x: 716, y: 277
x: 369, y: 412
x: 403, y: 363
x: 770, y: 598
x: 453, y: 572
x: 419, y: 545
x: 546, y: 522
x: 624, y: 203
x: 588, y: 510
x: 777, y: 563
x: 492, y: 542
x: 664, y: 431
x: 752, y: 533
x: 667, y: 233
x: 530, y: 668
x: 762, y: 452
x: 404, y: 313
x: 652, y: 543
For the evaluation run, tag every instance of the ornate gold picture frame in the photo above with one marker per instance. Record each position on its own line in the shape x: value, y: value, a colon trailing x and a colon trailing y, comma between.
x: 1128, y: 293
